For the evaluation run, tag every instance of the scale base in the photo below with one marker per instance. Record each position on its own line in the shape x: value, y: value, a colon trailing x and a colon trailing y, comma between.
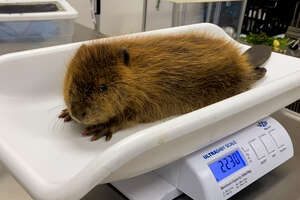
x: 261, y: 147
x: 147, y: 187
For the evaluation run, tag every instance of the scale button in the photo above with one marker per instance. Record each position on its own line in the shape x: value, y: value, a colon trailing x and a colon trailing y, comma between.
x: 257, y: 148
x: 268, y: 143
x: 276, y: 137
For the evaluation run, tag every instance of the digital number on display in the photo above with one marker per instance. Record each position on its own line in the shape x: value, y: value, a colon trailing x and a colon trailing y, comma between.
x: 227, y: 165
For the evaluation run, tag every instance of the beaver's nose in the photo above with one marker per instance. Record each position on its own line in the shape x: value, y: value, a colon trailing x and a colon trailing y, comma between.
x: 78, y: 112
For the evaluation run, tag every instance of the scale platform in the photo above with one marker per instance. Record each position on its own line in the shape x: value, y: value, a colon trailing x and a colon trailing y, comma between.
x: 52, y: 161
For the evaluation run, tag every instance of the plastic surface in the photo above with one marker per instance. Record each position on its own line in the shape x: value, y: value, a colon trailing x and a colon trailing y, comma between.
x: 53, y: 161
x: 148, y: 186
x: 65, y: 12
x: 36, y: 31
x: 38, y: 26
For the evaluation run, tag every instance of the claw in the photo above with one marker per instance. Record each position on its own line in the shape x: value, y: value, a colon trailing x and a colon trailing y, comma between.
x: 93, y: 129
x: 65, y: 115
x: 86, y: 132
x: 67, y: 118
x: 101, y: 134
x: 95, y: 137
x: 62, y: 115
x: 98, y: 136
x: 108, y: 136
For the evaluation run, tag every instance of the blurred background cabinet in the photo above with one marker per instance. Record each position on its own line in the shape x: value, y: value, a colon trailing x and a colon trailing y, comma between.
x: 120, y: 17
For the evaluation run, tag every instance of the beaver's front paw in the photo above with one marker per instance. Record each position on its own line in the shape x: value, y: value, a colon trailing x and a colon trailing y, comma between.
x: 98, y: 131
x: 65, y: 115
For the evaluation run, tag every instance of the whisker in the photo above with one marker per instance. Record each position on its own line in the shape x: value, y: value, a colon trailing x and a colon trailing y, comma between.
x: 55, y: 107
x: 56, y: 124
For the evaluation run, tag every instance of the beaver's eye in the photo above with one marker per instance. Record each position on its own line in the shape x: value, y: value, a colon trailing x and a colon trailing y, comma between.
x: 102, y: 88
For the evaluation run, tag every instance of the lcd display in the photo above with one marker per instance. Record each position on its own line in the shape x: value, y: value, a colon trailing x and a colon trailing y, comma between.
x: 227, y: 165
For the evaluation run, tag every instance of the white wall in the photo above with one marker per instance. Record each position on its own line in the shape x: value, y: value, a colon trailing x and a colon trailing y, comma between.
x: 161, y: 18
x: 126, y: 16
x: 117, y: 16
x: 83, y: 8
x: 121, y: 16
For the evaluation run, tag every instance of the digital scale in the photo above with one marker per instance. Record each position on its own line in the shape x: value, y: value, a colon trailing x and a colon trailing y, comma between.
x: 219, y: 170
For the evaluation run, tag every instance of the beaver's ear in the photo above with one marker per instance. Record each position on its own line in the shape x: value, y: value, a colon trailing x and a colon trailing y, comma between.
x: 125, y: 56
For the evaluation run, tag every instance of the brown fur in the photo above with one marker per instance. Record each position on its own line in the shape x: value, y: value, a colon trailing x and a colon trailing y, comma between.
x: 164, y: 76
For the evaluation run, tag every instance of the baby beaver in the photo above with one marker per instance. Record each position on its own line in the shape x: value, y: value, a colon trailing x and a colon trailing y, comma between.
x: 112, y: 85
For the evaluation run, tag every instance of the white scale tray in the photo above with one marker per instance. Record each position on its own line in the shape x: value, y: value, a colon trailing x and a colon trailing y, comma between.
x: 54, y: 162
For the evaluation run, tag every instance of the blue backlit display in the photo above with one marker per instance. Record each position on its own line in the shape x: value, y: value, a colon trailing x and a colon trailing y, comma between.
x: 227, y: 165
